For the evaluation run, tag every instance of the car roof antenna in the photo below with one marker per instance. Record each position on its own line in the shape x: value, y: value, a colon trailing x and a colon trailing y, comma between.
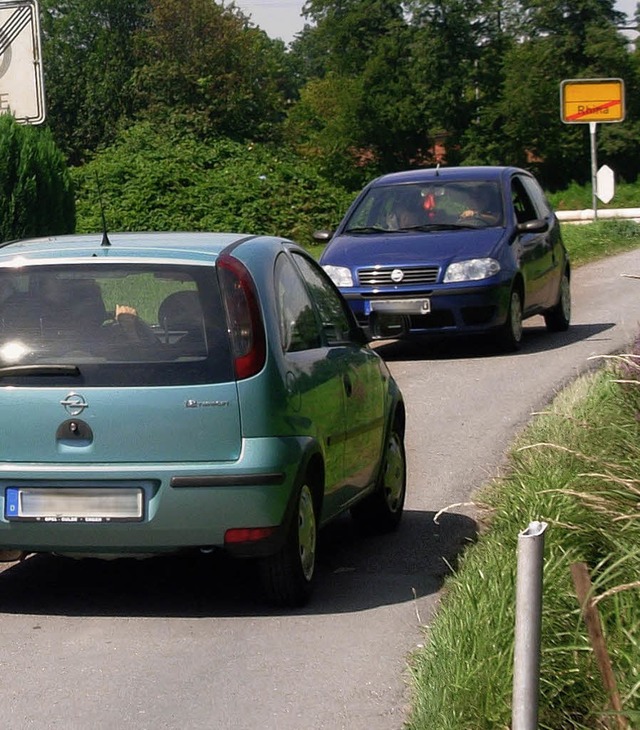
x: 438, y: 170
x: 105, y: 236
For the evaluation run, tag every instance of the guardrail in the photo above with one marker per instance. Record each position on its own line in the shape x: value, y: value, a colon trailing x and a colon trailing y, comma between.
x: 588, y: 215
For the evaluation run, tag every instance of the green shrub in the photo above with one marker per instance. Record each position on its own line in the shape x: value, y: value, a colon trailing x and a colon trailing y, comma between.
x: 153, y: 179
x: 580, y: 197
x: 36, y: 195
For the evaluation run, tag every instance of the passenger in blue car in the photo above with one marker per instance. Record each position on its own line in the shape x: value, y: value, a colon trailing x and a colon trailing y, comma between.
x: 408, y: 212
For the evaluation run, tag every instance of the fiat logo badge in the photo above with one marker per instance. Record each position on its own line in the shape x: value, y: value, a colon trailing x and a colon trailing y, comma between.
x: 74, y: 404
x: 397, y: 276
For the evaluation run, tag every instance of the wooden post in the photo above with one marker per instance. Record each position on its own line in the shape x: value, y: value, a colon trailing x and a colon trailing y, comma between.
x: 582, y: 583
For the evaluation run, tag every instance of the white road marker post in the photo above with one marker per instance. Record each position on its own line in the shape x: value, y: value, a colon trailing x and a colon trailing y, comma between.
x: 526, y: 663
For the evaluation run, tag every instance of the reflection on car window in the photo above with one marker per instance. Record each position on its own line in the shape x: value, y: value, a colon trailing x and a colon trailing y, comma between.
x: 116, y: 323
x: 543, y: 209
x: 522, y: 204
x: 402, y: 207
x: 298, y: 324
x: 336, y: 324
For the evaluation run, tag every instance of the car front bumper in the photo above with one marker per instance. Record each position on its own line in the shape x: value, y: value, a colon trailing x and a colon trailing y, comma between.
x: 454, y: 309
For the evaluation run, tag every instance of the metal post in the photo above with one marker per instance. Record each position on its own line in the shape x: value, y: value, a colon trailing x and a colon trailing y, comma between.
x: 526, y: 665
x: 594, y: 170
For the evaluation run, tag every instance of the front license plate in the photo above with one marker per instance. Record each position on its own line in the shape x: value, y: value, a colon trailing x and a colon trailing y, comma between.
x: 36, y: 504
x: 401, y: 306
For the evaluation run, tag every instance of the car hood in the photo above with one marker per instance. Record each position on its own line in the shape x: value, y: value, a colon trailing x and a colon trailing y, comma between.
x: 396, y: 249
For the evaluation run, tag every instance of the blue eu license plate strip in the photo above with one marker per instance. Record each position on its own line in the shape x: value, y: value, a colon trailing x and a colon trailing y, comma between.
x: 11, y: 503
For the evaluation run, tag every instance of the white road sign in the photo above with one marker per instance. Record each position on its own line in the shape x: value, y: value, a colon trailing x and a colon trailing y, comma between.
x: 605, y: 184
x: 21, y: 82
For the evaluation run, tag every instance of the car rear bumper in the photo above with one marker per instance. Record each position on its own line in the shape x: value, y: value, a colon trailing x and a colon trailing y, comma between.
x: 442, y: 310
x: 184, y: 505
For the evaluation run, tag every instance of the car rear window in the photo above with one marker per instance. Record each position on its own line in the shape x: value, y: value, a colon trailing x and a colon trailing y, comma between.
x: 112, y: 325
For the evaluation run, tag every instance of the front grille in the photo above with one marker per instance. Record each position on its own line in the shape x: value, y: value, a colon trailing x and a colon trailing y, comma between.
x: 381, y: 275
x: 478, y: 315
x: 433, y: 320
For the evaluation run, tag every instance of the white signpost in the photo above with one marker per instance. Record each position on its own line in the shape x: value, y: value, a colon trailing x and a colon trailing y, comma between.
x: 21, y: 78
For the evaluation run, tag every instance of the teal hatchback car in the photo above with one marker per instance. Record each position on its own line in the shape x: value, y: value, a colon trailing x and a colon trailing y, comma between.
x: 163, y: 392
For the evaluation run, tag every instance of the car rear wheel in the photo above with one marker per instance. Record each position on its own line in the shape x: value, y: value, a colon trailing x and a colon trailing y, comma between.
x: 510, y: 335
x: 382, y: 510
x: 558, y: 317
x: 287, y: 576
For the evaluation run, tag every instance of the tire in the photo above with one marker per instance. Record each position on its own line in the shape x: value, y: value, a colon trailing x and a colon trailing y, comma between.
x: 287, y: 576
x: 509, y: 337
x: 381, y: 511
x: 558, y: 317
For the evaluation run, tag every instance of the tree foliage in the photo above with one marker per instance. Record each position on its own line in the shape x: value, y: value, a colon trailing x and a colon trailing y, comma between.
x: 36, y: 195
x: 199, y: 63
x: 88, y: 61
x: 154, y: 178
x: 368, y: 87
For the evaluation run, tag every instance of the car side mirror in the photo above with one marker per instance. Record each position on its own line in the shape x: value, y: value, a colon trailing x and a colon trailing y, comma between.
x: 322, y: 236
x: 537, y: 225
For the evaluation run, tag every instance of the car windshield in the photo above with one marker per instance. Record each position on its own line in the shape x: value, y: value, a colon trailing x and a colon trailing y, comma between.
x: 112, y: 324
x: 428, y: 206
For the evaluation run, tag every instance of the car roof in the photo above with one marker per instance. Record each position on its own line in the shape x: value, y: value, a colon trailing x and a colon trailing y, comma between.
x: 196, y: 246
x: 477, y: 172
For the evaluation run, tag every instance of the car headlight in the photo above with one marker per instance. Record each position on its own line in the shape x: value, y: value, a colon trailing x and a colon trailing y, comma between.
x: 340, y: 275
x: 471, y: 270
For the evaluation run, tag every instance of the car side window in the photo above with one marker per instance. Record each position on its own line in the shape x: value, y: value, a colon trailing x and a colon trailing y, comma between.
x: 522, y: 203
x: 537, y: 196
x: 296, y: 317
x: 336, y: 324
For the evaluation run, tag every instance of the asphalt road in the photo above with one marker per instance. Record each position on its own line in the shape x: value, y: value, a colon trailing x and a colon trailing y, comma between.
x: 176, y: 644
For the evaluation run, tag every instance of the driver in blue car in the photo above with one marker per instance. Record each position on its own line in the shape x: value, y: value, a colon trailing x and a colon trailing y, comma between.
x: 484, y: 206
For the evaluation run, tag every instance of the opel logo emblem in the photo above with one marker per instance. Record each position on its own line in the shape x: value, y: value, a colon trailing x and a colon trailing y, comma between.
x: 74, y: 404
x: 397, y: 276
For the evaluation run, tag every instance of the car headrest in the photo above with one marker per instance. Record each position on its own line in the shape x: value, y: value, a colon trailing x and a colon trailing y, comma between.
x: 181, y: 311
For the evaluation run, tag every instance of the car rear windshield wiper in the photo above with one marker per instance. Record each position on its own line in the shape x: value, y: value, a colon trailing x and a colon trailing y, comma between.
x: 367, y: 229
x: 72, y: 371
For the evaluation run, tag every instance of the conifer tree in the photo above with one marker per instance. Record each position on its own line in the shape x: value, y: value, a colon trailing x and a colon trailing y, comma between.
x: 36, y: 194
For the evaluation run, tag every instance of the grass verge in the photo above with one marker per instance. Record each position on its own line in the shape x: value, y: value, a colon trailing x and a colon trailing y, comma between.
x: 597, y: 240
x: 577, y: 467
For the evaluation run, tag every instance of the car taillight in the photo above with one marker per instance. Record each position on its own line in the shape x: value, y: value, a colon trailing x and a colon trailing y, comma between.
x: 247, y: 534
x: 244, y: 322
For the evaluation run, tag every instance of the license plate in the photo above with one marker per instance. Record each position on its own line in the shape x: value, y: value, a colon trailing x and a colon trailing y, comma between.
x: 401, y: 306
x: 37, y: 504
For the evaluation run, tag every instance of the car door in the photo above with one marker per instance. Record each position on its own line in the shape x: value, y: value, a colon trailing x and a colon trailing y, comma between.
x: 361, y: 374
x: 534, y: 250
x: 314, y: 382
x: 556, y: 261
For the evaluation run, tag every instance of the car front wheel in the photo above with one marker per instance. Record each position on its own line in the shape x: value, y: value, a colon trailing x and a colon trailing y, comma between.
x: 510, y: 335
x: 287, y: 576
x: 382, y: 510
x: 558, y: 317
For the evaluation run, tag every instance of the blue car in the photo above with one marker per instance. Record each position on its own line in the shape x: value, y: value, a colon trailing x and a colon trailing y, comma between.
x: 169, y: 392
x: 451, y: 251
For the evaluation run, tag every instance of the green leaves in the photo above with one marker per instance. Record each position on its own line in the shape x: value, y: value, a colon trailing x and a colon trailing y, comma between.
x: 372, y: 86
x: 36, y: 195
x: 156, y: 179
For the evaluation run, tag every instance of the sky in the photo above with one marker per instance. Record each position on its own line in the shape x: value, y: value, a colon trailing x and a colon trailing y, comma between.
x: 282, y: 19
x: 278, y: 18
